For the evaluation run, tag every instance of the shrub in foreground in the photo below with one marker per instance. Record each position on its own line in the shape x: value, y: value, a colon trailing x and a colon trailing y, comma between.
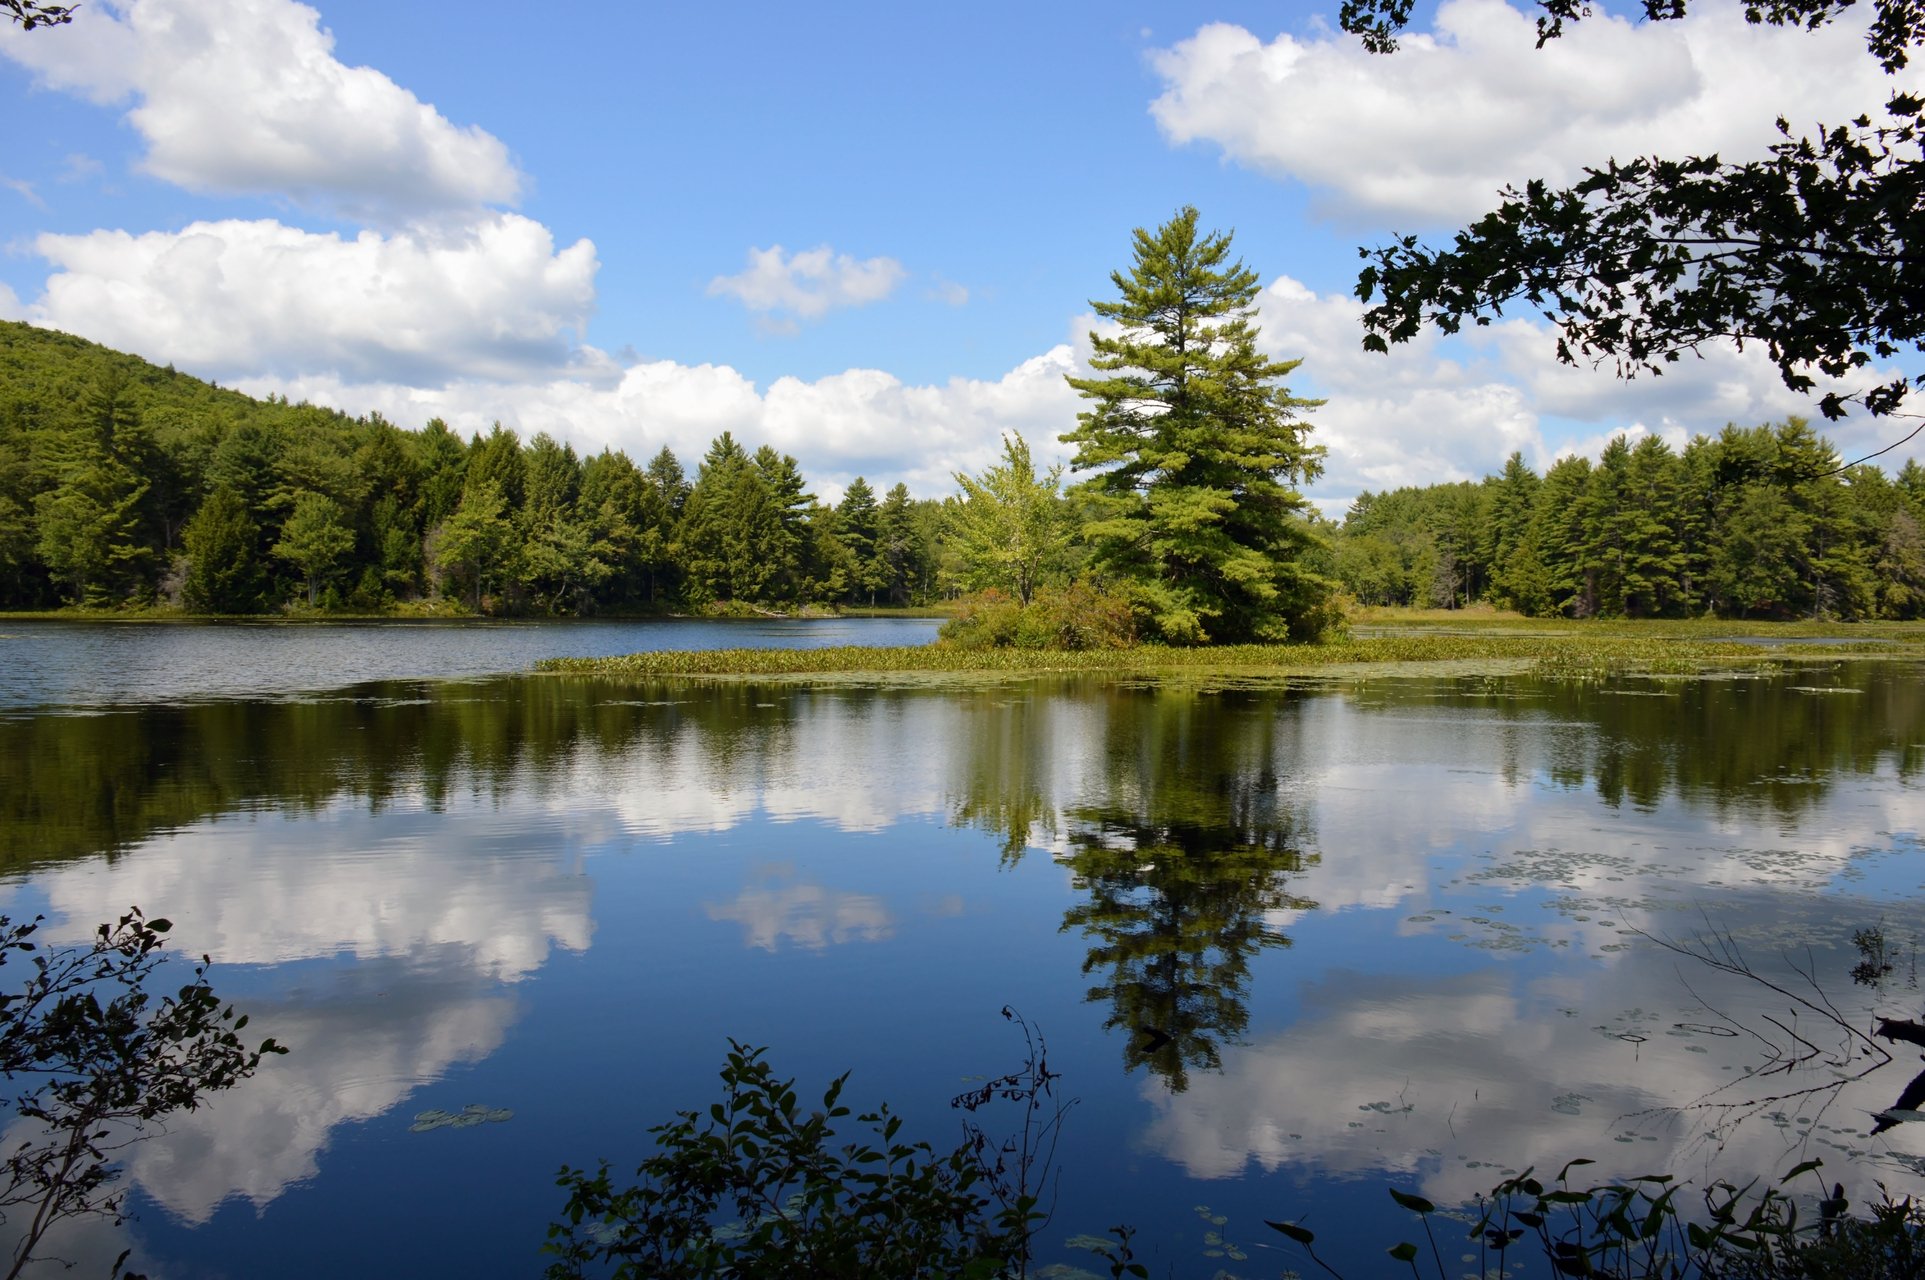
x: 758, y: 1186
x: 93, y: 1058
x: 1075, y: 617
x: 1645, y: 1228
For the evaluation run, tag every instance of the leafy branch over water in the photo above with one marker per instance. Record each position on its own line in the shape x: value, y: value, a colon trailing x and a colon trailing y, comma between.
x: 807, y: 1201
x: 1635, y: 1229
x: 92, y: 1059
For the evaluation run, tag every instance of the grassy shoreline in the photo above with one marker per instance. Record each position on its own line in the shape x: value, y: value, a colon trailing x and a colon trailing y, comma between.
x: 1548, y: 647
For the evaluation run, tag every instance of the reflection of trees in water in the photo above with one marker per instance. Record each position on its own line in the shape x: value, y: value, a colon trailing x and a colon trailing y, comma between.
x: 1766, y: 741
x: 1009, y: 741
x: 75, y: 785
x: 1175, y: 915
x: 72, y: 785
x: 1184, y: 863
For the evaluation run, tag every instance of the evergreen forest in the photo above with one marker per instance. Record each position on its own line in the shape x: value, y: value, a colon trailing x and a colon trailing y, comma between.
x: 123, y: 483
x: 126, y: 484
x: 1754, y: 522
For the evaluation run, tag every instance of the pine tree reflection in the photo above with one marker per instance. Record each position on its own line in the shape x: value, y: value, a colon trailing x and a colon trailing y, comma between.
x: 1185, y: 866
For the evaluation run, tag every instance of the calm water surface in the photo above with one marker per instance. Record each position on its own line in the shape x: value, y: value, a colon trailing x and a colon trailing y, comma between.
x: 1287, y: 946
x: 64, y: 664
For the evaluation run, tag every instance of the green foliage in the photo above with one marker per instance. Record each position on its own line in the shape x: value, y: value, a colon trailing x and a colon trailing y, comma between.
x: 223, y: 575
x: 1185, y: 871
x: 315, y: 539
x: 1012, y: 528
x: 758, y: 1185
x: 1075, y: 617
x: 107, y: 461
x: 899, y: 551
x: 1804, y: 252
x: 856, y: 517
x: 90, y: 518
x: 476, y: 543
x: 109, y: 468
x: 733, y: 537
x: 1744, y: 524
x: 1195, y: 446
x: 93, y: 1060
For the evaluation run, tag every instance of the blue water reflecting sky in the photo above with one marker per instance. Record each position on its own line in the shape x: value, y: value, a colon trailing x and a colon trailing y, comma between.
x: 1408, y: 924
x: 100, y: 665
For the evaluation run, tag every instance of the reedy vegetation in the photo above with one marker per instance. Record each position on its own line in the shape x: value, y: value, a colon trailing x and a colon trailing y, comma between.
x: 1558, y: 649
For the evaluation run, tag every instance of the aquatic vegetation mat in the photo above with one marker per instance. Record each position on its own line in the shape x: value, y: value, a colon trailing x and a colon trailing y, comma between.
x: 1559, y: 653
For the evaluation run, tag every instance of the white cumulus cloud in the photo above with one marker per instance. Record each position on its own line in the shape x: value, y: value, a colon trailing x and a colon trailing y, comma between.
x: 1429, y: 134
x: 810, y: 283
x: 860, y: 422
x: 247, y: 97
x: 492, y: 299
x: 1437, y: 409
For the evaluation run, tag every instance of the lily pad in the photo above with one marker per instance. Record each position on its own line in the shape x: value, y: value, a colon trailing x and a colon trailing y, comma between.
x: 466, y: 1118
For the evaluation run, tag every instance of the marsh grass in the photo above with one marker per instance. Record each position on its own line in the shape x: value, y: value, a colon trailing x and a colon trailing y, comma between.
x: 1574, y: 651
x: 1480, y: 621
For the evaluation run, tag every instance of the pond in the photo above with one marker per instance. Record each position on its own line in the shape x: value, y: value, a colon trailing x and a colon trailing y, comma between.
x: 46, y: 665
x: 1287, y: 946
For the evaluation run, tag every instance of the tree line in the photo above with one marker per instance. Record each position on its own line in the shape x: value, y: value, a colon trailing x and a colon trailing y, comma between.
x: 1755, y: 522
x: 120, y: 482
x: 124, y: 483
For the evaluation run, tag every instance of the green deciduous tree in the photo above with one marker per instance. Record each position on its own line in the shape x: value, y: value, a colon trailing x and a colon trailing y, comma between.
x: 93, y: 1059
x: 1195, y: 446
x: 1012, y: 529
x: 476, y: 543
x: 315, y: 539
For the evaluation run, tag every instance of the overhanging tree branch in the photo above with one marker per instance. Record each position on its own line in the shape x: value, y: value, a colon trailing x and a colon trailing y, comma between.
x: 1810, y: 252
x: 30, y: 13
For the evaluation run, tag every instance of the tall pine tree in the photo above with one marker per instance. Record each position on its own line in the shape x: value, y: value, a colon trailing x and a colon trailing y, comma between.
x: 1195, y: 445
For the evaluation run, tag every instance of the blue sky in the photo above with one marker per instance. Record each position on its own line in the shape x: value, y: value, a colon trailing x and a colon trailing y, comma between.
x: 867, y: 234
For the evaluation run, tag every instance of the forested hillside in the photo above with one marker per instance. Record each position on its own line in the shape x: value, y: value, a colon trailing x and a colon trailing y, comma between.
x: 125, y: 483
x: 1755, y: 522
